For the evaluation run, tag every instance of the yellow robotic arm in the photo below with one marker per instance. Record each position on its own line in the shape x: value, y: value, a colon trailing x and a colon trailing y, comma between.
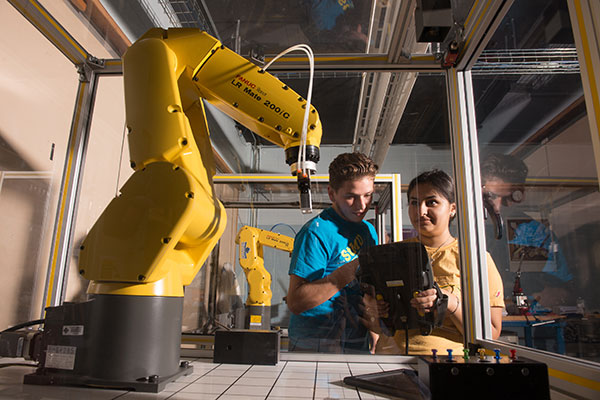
x: 251, y: 241
x: 154, y: 237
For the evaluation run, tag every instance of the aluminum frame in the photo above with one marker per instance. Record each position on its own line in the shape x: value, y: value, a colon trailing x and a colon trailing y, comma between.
x: 585, y: 15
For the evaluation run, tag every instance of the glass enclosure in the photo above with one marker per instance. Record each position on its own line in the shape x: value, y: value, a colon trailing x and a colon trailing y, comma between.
x: 538, y: 167
x: 106, y: 170
x: 37, y: 107
x: 269, y: 203
x: 328, y: 27
x: 540, y: 183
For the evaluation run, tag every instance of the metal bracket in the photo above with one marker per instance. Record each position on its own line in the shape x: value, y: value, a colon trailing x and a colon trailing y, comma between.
x: 90, y: 65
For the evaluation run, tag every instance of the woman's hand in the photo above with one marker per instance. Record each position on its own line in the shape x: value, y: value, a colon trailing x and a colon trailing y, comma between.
x: 424, y: 300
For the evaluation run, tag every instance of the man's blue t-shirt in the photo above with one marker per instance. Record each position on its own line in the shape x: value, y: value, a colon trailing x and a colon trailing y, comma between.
x: 325, y: 243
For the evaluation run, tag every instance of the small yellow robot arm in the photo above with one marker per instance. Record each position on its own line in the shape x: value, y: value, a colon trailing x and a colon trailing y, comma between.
x: 251, y: 241
x: 153, y: 238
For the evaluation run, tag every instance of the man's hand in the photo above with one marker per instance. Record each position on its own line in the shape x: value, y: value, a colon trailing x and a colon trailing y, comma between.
x: 373, y: 308
x: 304, y: 295
x: 369, y: 313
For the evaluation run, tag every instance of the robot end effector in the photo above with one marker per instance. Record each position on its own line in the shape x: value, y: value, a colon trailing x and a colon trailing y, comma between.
x: 312, y: 157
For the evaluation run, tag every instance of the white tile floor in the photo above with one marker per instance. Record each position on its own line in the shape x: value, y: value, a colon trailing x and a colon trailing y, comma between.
x: 287, y: 380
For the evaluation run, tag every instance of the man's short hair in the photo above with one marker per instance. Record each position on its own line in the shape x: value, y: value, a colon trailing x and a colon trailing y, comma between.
x: 350, y: 167
x: 506, y: 167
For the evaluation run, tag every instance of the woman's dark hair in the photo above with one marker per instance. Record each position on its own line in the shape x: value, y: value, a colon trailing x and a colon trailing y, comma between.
x: 350, y: 167
x: 441, y: 182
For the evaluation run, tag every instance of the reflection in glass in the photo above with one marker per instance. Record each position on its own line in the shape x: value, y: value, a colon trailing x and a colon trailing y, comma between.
x: 273, y: 207
x: 539, y: 179
x: 106, y: 170
x: 37, y: 106
x: 326, y: 26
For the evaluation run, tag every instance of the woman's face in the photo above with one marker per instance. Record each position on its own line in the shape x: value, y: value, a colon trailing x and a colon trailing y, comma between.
x: 429, y: 211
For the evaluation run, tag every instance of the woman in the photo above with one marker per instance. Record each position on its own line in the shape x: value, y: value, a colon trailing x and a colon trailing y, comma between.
x: 431, y: 208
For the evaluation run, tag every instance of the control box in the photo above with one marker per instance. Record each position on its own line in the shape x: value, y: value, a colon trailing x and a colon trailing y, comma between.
x: 492, y: 377
x: 245, y: 346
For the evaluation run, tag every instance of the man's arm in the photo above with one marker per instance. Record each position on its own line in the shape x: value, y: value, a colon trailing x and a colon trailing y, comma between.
x: 303, y: 295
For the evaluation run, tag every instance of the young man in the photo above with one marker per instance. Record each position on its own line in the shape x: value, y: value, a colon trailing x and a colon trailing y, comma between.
x: 323, y: 294
x: 503, y: 178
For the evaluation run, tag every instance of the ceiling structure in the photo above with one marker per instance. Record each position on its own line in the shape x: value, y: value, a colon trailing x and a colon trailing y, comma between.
x: 375, y: 85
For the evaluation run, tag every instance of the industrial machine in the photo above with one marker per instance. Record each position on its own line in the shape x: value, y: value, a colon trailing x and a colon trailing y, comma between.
x: 154, y: 237
x: 258, y: 343
x: 511, y: 377
x: 397, y: 286
x: 251, y: 241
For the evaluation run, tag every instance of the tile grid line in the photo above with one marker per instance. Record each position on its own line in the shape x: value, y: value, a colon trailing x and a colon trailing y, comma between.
x: 315, y: 381
x: 233, y: 383
x: 356, y: 387
x: 200, y: 377
x: 276, y: 379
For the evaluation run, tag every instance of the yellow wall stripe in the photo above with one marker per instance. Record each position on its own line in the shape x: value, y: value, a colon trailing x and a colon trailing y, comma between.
x: 577, y: 380
x: 256, y: 178
x: 397, y: 201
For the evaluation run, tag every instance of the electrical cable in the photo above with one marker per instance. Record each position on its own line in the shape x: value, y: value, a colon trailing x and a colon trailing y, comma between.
x: 301, y: 167
x: 283, y: 224
x: 23, y: 325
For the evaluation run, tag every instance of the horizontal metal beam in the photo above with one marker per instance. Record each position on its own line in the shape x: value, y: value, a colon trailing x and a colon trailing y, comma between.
x: 533, y: 61
x: 345, y: 63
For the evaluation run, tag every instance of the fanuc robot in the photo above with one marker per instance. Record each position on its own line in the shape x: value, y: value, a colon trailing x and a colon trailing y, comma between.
x: 251, y: 242
x: 154, y: 237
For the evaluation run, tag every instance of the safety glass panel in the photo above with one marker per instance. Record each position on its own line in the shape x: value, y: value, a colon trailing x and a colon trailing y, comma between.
x: 326, y: 26
x: 106, y: 170
x: 241, y: 299
x: 37, y: 107
x: 540, y: 184
x: 87, y: 22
